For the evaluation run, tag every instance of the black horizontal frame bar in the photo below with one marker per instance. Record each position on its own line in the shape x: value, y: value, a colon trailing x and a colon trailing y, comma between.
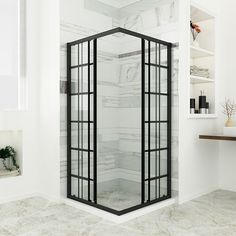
x: 81, y: 177
x: 122, y: 212
x: 84, y: 93
x: 81, y: 149
x: 156, y: 150
x: 83, y: 122
x: 156, y: 177
x: 156, y: 65
x: 82, y: 65
x: 119, y: 30
x: 153, y: 93
x: 158, y: 121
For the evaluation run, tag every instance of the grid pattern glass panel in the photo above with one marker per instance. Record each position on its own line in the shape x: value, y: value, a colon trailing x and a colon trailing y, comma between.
x: 155, y: 119
x: 81, y: 125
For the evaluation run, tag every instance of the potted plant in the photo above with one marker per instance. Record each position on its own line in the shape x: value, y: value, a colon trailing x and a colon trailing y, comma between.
x: 8, y: 158
x: 229, y: 109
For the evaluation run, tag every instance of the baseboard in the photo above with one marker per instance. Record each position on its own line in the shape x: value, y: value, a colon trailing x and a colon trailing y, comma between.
x: 196, y: 195
x: 118, y: 219
x: 17, y: 198
x: 228, y: 189
x: 95, y: 211
x: 49, y: 197
x: 30, y: 195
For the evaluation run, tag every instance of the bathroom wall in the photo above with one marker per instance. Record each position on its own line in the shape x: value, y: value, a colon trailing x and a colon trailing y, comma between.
x: 49, y: 99
x: 26, y: 122
x: 198, y: 159
x: 227, y: 84
x: 36, y: 127
x: 82, y: 18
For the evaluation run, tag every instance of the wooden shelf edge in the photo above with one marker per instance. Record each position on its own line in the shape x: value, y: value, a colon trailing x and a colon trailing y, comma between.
x: 218, y: 137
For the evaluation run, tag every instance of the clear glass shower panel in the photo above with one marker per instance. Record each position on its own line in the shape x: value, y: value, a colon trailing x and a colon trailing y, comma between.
x: 119, y: 121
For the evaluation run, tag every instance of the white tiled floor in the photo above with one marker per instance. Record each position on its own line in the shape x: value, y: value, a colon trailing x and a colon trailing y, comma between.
x: 213, y: 214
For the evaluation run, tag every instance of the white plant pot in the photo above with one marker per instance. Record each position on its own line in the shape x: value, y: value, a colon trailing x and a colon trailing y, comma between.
x: 230, y: 131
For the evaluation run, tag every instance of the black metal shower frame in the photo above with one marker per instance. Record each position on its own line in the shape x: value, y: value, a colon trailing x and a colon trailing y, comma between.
x: 144, y: 39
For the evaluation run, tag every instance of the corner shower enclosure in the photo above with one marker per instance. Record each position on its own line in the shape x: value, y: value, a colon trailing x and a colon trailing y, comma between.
x: 119, y: 120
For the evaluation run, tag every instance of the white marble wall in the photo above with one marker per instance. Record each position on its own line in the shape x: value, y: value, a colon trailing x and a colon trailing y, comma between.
x: 158, y: 21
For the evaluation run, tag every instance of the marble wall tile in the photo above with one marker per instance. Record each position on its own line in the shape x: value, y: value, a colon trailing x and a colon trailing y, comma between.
x: 117, y: 89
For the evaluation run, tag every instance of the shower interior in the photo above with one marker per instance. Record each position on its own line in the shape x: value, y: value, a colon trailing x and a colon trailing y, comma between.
x: 119, y: 120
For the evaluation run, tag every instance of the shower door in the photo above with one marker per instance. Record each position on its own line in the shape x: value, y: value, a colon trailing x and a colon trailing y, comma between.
x: 81, y: 121
x: 156, y: 121
x: 119, y: 120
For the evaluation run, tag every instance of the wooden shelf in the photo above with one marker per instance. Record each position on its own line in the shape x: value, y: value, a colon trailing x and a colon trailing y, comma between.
x: 218, y: 137
x: 198, y: 80
x: 200, y: 52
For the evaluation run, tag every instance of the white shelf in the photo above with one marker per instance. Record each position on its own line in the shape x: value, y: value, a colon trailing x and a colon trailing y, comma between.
x: 200, y: 52
x: 202, y: 116
x: 198, y: 14
x: 198, y: 80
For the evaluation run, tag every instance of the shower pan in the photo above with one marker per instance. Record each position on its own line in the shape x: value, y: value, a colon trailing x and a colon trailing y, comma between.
x: 119, y: 120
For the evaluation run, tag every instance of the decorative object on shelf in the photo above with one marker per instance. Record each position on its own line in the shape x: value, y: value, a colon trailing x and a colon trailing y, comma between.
x: 8, y: 158
x: 207, y: 107
x: 198, y: 71
x: 229, y: 109
x: 202, y: 103
x: 192, y: 105
x: 195, y: 30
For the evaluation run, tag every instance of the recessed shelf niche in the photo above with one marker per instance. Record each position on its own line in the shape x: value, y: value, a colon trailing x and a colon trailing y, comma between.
x: 202, y: 55
x: 11, y: 138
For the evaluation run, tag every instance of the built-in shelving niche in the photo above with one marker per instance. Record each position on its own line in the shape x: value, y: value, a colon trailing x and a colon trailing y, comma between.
x: 203, y: 55
x: 11, y: 138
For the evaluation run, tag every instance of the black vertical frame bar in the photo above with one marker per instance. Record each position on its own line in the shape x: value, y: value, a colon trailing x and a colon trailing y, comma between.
x: 149, y: 119
x: 68, y: 120
x: 143, y: 122
x: 89, y: 120
x: 82, y: 119
x: 169, y: 63
x: 156, y: 124
x: 95, y: 118
x: 159, y: 127
x: 78, y: 154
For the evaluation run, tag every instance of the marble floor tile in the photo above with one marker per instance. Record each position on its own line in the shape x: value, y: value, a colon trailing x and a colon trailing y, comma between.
x: 118, y: 200
x: 4, y: 232
x: 210, y: 215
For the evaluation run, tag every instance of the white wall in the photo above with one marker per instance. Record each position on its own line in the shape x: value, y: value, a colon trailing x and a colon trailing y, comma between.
x: 40, y: 122
x: 49, y: 116
x: 26, y: 121
x: 227, y: 51
x: 198, y: 160
x: 9, y: 48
